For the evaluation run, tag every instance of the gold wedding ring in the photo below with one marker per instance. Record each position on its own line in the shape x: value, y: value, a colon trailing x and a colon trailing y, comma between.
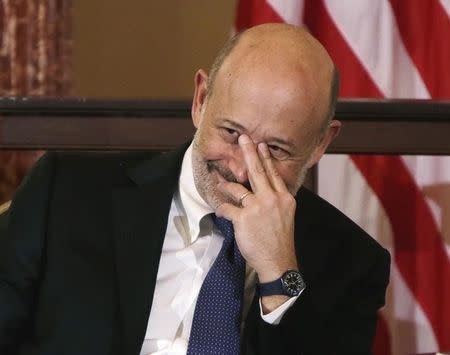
x: 244, y: 195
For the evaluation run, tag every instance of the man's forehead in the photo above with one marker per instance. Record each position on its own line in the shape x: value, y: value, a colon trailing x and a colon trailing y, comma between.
x: 263, y: 97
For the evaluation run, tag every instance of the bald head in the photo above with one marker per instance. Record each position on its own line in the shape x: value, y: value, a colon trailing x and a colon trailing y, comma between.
x: 289, y: 50
x: 272, y: 83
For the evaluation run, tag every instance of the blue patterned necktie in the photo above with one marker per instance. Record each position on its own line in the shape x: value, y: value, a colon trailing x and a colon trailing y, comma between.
x: 216, y: 327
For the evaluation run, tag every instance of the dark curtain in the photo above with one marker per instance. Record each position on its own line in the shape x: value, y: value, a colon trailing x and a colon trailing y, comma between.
x: 35, y: 60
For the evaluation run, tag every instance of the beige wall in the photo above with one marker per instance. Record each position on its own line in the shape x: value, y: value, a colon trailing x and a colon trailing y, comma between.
x: 145, y: 48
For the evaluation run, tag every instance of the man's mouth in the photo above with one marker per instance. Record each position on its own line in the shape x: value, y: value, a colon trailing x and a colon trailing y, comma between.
x: 224, y: 175
x: 219, y: 176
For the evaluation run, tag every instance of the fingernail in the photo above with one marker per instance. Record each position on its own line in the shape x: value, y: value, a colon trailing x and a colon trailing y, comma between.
x: 244, y: 139
x: 262, y: 146
x: 263, y: 149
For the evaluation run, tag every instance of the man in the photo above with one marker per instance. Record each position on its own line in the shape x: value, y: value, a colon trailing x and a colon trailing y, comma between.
x: 136, y: 255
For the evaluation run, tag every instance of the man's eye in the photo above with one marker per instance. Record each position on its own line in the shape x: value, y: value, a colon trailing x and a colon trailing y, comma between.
x: 278, y: 153
x: 230, y: 134
x: 230, y: 131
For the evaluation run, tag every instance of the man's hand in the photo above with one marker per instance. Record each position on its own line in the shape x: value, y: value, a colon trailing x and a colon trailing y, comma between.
x: 264, y: 226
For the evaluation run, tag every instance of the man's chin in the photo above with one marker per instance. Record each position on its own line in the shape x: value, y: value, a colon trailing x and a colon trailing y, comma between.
x: 217, y: 198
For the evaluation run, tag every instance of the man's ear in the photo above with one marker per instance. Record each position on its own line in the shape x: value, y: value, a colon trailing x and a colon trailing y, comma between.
x: 200, y: 93
x: 332, y: 131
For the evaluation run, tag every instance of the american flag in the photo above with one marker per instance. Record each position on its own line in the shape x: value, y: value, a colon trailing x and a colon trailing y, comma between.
x: 388, y: 49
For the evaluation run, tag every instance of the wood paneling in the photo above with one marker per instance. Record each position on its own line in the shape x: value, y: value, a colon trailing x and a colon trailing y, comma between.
x: 373, y: 127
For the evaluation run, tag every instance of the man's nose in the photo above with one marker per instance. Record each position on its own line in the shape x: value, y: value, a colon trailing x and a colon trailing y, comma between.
x: 237, y: 166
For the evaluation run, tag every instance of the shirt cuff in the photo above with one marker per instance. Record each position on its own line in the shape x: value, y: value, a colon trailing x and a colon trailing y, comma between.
x: 275, y: 316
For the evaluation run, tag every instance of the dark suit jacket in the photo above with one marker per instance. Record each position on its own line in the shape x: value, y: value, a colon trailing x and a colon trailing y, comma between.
x: 80, y: 249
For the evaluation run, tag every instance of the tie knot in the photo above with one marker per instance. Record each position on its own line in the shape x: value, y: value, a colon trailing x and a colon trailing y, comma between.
x: 225, y: 226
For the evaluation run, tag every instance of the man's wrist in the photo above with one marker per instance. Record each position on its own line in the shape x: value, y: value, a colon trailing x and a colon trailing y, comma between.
x: 271, y: 303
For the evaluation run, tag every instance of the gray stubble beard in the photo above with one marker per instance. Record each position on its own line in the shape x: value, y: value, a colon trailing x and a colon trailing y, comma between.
x: 203, y: 179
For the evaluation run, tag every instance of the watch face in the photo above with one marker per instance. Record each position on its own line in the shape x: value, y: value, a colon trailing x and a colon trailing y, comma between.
x: 292, y: 283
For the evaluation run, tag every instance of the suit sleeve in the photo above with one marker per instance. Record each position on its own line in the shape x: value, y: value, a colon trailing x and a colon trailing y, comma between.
x: 22, y: 241
x: 348, y: 327
x: 355, y: 321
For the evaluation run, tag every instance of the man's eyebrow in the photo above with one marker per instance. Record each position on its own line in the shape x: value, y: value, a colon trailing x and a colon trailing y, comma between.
x: 286, y: 142
x: 235, y: 125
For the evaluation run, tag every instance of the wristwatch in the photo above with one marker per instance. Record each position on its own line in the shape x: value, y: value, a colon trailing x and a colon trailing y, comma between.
x: 290, y: 284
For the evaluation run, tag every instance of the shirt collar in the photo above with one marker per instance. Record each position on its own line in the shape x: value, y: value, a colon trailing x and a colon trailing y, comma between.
x: 195, y: 207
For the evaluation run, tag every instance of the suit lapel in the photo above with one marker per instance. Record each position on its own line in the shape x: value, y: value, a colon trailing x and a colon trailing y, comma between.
x: 140, y: 213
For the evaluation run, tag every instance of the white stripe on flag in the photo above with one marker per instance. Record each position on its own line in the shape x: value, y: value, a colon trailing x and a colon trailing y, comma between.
x: 291, y: 11
x: 412, y: 332
x: 432, y: 176
x: 354, y: 197
x: 428, y: 169
x: 446, y: 5
x: 370, y: 29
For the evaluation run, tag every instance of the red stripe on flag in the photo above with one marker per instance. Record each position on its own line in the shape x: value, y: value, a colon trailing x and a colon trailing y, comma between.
x: 355, y: 81
x: 254, y: 12
x: 418, y: 245
x: 425, y: 29
x: 382, y: 343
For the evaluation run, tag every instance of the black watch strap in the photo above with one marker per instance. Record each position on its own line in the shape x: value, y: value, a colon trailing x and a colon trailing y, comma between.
x: 270, y: 288
x: 290, y: 284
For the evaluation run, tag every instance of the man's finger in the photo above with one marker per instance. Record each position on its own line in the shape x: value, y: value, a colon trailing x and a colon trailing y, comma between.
x: 255, y: 169
x: 271, y: 172
x: 235, y: 191
x: 228, y: 211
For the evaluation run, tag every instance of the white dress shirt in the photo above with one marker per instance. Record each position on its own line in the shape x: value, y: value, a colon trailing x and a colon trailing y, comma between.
x: 190, y: 247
